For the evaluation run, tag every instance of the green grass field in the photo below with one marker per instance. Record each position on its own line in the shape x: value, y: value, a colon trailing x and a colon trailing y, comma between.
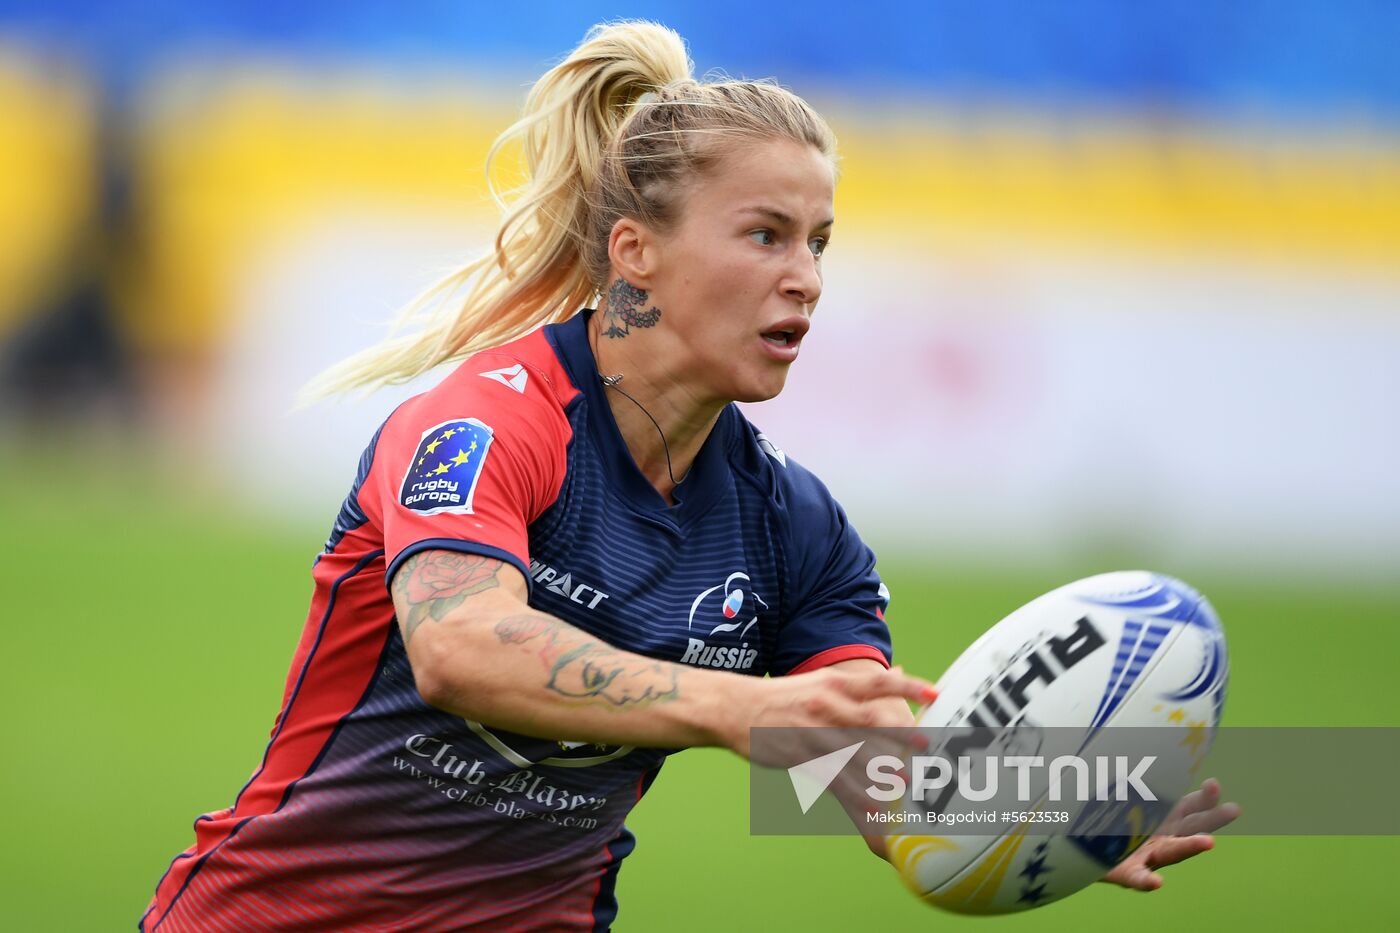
x: 150, y: 632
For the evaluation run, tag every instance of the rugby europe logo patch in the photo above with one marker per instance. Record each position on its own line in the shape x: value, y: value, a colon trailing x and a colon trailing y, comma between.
x: 443, y: 473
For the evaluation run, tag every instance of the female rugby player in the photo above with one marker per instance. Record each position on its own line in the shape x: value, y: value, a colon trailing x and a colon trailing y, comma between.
x: 574, y: 555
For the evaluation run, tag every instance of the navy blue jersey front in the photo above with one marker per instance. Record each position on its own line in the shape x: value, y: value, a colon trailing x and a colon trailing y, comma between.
x: 372, y: 808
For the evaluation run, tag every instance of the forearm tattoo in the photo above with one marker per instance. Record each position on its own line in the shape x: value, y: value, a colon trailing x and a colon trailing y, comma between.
x: 585, y: 668
x: 433, y: 583
x: 622, y: 310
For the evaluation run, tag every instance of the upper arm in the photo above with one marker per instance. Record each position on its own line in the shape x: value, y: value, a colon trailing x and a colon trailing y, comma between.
x: 459, y: 475
x: 467, y: 467
x: 461, y: 594
x: 430, y: 584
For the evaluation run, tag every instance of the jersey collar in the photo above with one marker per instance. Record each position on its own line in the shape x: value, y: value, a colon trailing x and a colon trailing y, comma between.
x: 709, y: 474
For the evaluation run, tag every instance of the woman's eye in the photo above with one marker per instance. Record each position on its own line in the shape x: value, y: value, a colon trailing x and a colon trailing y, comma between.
x: 817, y: 245
x: 762, y: 237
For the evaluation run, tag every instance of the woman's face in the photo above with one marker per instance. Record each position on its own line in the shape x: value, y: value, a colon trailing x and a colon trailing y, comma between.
x: 738, y: 278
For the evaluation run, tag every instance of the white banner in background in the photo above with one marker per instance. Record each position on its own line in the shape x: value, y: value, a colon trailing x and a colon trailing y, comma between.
x: 1004, y: 405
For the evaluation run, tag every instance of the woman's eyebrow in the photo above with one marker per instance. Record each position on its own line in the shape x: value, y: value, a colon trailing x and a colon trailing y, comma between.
x: 780, y: 217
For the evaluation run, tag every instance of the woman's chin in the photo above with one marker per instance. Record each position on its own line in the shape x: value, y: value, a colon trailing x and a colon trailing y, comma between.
x: 760, y: 390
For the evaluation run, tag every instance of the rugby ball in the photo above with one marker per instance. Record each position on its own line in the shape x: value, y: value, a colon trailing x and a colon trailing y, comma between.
x: 1130, y: 660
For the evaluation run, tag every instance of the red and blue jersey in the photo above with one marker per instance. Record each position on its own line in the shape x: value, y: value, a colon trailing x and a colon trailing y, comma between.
x: 372, y: 810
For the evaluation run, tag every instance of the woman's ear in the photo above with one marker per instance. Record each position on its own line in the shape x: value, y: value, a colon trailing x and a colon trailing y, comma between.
x: 633, y: 251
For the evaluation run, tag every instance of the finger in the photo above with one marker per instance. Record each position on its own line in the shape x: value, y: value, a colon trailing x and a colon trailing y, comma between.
x: 1203, y: 798
x: 1170, y: 850
x: 1146, y: 880
x: 922, y: 707
x: 1181, y: 815
x: 880, y: 684
x: 1207, y: 821
x: 1136, y: 877
x: 836, y: 708
x: 1208, y: 795
x: 891, y: 683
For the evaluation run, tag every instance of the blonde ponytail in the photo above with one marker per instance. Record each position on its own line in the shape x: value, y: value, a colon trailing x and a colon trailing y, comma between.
x: 613, y: 130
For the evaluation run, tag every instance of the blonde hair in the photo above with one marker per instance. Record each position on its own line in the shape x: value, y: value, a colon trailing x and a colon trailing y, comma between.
x: 617, y: 129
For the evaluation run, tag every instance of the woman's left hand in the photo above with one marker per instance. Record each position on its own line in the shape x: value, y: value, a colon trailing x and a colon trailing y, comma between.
x: 1184, y: 833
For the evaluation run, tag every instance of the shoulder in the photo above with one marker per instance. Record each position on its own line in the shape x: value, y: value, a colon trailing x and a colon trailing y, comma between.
x: 524, y: 373
x: 516, y: 389
x: 822, y: 543
x: 501, y: 415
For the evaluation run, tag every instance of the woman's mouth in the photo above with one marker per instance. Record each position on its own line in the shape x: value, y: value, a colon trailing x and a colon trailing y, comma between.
x: 781, y: 343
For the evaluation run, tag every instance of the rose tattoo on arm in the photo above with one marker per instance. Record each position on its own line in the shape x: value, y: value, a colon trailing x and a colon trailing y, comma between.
x: 433, y: 583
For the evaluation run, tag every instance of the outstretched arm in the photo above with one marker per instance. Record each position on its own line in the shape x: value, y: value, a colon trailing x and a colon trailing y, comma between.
x: 479, y: 651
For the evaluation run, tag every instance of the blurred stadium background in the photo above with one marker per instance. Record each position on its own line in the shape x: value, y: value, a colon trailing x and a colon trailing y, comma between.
x: 1113, y: 285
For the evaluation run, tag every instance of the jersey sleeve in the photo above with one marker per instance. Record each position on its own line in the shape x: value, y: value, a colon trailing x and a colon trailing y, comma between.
x: 839, y: 602
x: 468, y: 467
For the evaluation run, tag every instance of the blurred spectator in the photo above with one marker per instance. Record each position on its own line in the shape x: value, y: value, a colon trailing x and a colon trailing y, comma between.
x: 65, y: 357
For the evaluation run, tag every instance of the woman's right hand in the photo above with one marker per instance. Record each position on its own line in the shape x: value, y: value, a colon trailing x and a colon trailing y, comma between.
x: 787, y: 721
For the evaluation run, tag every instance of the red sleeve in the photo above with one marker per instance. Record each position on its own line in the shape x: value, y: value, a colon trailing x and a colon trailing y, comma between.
x: 468, y: 466
x: 836, y: 655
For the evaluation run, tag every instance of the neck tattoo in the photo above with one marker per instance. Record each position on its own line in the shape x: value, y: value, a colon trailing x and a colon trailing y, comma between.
x: 622, y: 310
